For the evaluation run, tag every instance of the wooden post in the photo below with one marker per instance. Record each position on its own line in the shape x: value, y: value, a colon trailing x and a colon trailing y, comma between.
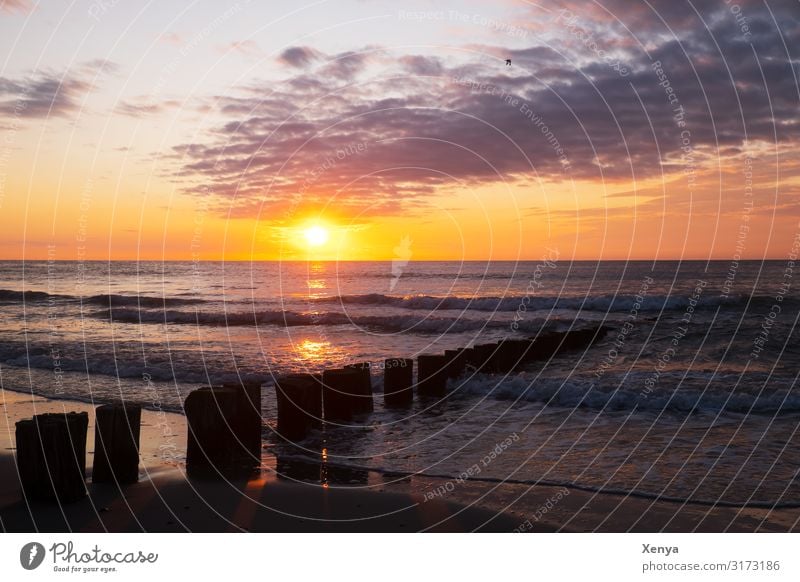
x: 509, y: 355
x: 480, y: 356
x: 582, y: 338
x: 549, y: 344
x: 248, y: 420
x: 116, y: 443
x: 51, y: 456
x: 398, y: 382
x: 431, y: 375
x: 299, y: 405
x: 525, y: 351
x: 219, y: 429
x: 456, y: 362
x: 545, y: 346
x: 365, y: 403
x: 343, y: 394
x: 470, y: 360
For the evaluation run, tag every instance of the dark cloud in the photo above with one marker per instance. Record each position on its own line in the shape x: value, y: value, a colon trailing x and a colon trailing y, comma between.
x: 421, y: 65
x: 586, y: 106
x: 43, y: 95
x: 47, y: 94
x: 345, y: 66
x: 672, y: 17
x: 299, y: 56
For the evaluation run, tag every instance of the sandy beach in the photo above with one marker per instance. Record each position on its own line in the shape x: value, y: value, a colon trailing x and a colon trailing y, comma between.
x: 275, y: 500
x: 166, y: 500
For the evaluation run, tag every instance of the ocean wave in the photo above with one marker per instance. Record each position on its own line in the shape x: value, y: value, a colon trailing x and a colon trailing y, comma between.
x: 187, y: 372
x: 11, y: 296
x: 387, y: 323
x: 476, y: 275
x: 606, y: 303
x: 111, y: 300
x: 140, y: 300
x: 585, y: 393
x: 676, y: 392
x: 601, y: 303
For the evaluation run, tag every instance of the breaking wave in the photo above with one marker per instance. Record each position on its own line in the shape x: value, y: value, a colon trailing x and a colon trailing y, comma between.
x: 601, y: 303
x: 705, y: 395
x: 387, y: 323
x: 111, y: 300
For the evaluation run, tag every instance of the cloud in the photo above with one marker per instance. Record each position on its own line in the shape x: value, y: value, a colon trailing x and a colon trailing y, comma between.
x: 299, y: 56
x: 584, y: 106
x: 43, y: 95
x: 422, y: 65
x: 19, y: 6
x: 144, y: 107
x: 346, y: 65
x: 99, y: 67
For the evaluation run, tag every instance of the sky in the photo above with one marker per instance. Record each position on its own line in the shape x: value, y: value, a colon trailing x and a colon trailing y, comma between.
x: 658, y: 129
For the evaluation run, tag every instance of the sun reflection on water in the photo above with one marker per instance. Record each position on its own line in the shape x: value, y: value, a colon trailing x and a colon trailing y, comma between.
x: 317, y: 281
x: 315, y: 353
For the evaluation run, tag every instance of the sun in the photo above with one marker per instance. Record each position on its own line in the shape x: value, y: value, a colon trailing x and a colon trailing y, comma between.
x: 316, y: 235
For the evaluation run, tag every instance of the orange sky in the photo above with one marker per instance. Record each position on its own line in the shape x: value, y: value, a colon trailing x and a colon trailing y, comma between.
x: 167, y: 143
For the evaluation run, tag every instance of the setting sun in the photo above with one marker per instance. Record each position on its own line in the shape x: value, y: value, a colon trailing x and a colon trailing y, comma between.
x: 316, y: 235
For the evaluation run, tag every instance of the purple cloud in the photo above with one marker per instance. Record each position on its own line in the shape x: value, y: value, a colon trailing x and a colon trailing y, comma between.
x: 43, y: 95
x: 576, y: 108
x: 299, y: 56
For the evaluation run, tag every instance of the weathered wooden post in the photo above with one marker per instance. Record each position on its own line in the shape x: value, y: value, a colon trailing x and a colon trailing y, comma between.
x: 365, y: 401
x: 471, y: 358
x: 219, y: 432
x: 456, y: 362
x: 343, y: 394
x: 431, y: 375
x: 51, y: 456
x: 509, y: 355
x: 116, y: 443
x: 299, y: 405
x: 526, y: 350
x: 398, y: 382
x: 479, y: 357
x: 582, y: 338
x: 532, y: 352
x: 499, y: 360
x: 248, y: 422
x: 545, y: 346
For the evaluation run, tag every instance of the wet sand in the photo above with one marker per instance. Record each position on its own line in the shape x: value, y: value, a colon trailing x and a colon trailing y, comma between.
x: 166, y: 500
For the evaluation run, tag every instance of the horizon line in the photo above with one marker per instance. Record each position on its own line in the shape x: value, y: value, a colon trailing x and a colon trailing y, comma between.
x: 521, y: 260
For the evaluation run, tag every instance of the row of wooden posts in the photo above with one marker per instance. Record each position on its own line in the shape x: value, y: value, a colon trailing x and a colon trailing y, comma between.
x: 225, y: 421
x: 337, y: 396
x: 51, y: 451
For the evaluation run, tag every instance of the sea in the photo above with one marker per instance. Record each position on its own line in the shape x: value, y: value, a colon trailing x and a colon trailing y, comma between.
x: 692, y: 394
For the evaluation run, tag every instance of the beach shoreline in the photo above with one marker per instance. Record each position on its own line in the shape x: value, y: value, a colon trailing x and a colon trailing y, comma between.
x: 282, y: 497
x: 166, y: 500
